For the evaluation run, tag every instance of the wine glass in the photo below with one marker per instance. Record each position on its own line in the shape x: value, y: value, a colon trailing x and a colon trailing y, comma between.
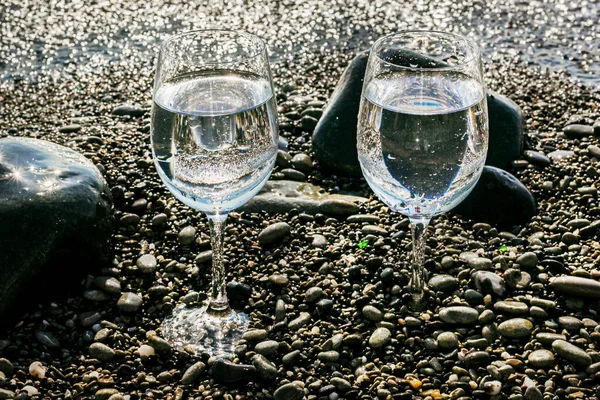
x: 214, y: 137
x: 422, y: 129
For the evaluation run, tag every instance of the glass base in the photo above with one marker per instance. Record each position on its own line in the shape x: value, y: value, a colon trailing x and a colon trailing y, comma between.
x: 195, y: 330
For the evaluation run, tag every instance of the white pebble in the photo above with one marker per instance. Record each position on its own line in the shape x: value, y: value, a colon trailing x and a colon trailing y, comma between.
x: 146, y: 351
x: 37, y: 370
x: 31, y: 391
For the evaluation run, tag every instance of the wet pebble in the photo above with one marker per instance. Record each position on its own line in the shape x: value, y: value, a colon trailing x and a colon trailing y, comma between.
x: 443, y: 283
x: 289, y: 391
x: 146, y: 263
x: 187, y: 235
x: 193, y: 373
x: 515, y: 328
x: 129, y: 302
x: 101, y: 351
x: 459, y: 315
x: 273, y: 233
x: 266, y: 370
x: 380, y: 337
x: 541, y: 359
x: 571, y: 353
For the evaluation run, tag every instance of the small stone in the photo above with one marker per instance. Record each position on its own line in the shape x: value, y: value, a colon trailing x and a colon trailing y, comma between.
x: 47, y: 339
x: 95, y: 295
x: 228, y: 372
x: 528, y: 260
x: 204, y: 257
x: 541, y: 359
x: 74, y: 128
x: 477, y: 359
x: 129, y: 302
x: 299, y: 322
x: 328, y: 356
x: 533, y: 393
x: 319, y: 241
x: 515, y: 328
x: 380, y: 337
x: 279, y: 280
x: 146, y: 351
x: 479, y: 263
x: 372, y: 313
x: 447, y: 340
x: 274, y: 233
x: 578, y: 130
x: 537, y: 158
x: 492, y: 387
x: 511, y: 307
x: 302, y: 163
x: 159, y: 344
x: 570, y: 323
x: 6, y: 394
x: 594, y: 151
x: 127, y: 109
x: 559, y: 155
x: 374, y: 230
x: 146, y: 263
x: 106, y: 393
x: 129, y: 219
x: 576, y: 286
x: 571, y: 353
x: 255, y: 335
x: 187, y: 235
x: 443, y: 283
x: 489, y: 282
x: 268, y: 348
x: 238, y: 290
x: 37, y: 370
x: 159, y: 220
x: 101, y: 351
x: 108, y: 284
x: 313, y: 294
x: 547, y: 338
x: 289, y: 391
x: 341, y: 384
x: 6, y: 367
x: 308, y: 123
x: 291, y: 357
x: 266, y: 370
x: 459, y: 315
x: 193, y: 373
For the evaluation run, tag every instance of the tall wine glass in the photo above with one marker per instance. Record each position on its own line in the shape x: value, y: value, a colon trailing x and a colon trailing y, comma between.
x: 422, y: 128
x: 214, y: 141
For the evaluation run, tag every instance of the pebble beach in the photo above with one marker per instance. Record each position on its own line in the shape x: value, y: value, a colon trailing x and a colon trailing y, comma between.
x: 511, y: 312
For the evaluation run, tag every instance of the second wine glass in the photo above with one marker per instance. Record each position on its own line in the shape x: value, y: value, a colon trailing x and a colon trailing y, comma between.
x: 214, y: 141
x: 423, y: 128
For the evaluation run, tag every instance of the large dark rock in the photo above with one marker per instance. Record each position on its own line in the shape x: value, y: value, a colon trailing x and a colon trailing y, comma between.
x: 56, y: 212
x: 334, y: 138
x: 498, y: 198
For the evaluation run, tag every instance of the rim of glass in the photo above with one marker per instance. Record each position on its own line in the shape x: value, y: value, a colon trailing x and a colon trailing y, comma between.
x: 469, y: 43
x: 262, y: 48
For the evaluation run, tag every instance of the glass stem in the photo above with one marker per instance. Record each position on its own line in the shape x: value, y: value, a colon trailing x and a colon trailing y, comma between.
x: 418, y: 229
x: 218, y: 304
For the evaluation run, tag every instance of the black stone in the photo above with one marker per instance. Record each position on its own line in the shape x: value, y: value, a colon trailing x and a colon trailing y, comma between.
x: 498, y: 198
x: 228, y: 372
x: 334, y: 138
x: 130, y: 110
x: 238, y: 291
x: 56, y: 213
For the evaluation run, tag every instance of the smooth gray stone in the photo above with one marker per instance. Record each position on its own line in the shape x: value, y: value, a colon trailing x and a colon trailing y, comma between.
x: 274, y: 233
x: 282, y: 196
x: 459, y: 315
x: 56, y: 213
x: 289, y: 391
x: 576, y: 286
x: 541, y: 359
x: 193, y: 372
x: 571, y: 353
x: 380, y: 337
x: 515, y: 328
x: 489, y: 282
